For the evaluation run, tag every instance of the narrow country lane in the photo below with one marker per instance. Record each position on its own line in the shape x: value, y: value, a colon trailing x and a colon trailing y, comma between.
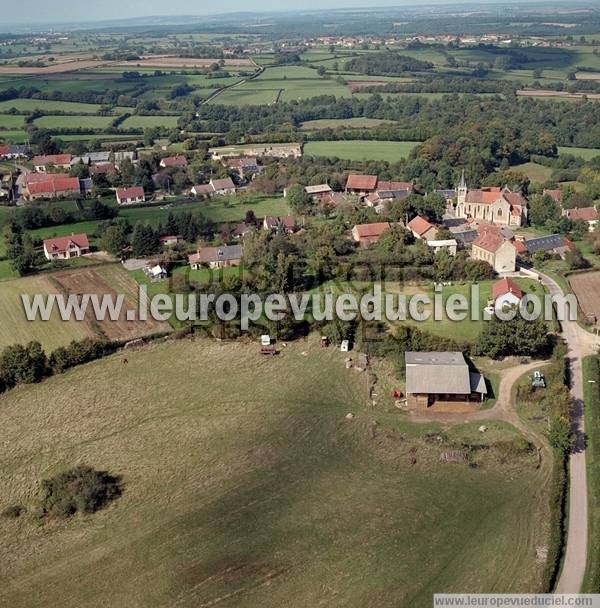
x: 580, y: 344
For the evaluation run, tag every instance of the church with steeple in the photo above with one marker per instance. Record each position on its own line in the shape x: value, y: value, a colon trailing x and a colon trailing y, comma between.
x: 493, y: 205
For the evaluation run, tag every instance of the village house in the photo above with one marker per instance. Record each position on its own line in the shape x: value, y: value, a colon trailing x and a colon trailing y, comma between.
x: 494, y: 205
x: 500, y: 253
x: 222, y: 186
x: 285, y: 224
x: 555, y: 194
x: 361, y: 184
x: 245, y: 166
x: 50, y: 185
x: 155, y: 272
x: 13, y: 152
x: 441, y: 380
x: 216, y: 257
x: 319, y: 192
x: 422, y: 229
x: 102, y: 169
x: 59, y: 161
x: 380, y: 198
x: 506, y: 293
x: 368, y: 234
x: 91, y: 158
x: 174, y: 161
x: 450, y: 246
x: 66, y: 247
x: 584, y: 214
x: 218, y: 187
x: 130, y: 196
x: 171, y: 240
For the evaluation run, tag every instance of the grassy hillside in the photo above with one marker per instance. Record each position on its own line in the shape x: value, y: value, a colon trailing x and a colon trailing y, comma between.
x: 243, y: 489
x: 390, y: 151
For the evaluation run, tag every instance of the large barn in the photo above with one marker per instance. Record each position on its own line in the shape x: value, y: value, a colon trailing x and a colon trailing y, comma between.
x: 442, y: 379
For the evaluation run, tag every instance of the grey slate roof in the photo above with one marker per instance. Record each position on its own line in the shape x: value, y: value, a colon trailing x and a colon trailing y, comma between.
x: 438, y: 373
x: 545, y: 243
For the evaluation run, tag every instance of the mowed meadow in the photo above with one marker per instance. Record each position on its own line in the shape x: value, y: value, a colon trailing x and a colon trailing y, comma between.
x: 245, y: 485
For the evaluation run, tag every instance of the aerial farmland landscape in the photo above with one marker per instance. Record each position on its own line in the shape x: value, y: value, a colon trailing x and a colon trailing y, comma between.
x: 300, y: 305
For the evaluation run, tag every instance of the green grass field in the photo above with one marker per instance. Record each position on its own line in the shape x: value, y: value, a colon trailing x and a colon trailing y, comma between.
x: 10, y: 122
x: 17, y: 136
x: 216, y: 210
x: 241, y: 490
x: 585, y: 153
x: 535, y: 172
x: 28, y: 105
x: 15, y: 328
x: 147, y: 122
x: 347, y: 123
x: 69, y: 122
x: 390, y: 151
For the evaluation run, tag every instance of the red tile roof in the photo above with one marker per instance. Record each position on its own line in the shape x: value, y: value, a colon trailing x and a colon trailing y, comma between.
x: 489, y: 240
x: 132, y: 192
x: 371, y: 230
x: 61, y: 244
x: 31, y: 178
x: 102, y: 168
x: 54, y: 185
x: 519, y: 246
x: 485, y: 196
x: 395, y: 186
x: 361, y: 182
x: 4, y: 150
x: 51, y: 159
x: 174, y: 161
x: 588, y: 214
x: 555, y: 194
x: 419, y: 225
x: 506, y: 285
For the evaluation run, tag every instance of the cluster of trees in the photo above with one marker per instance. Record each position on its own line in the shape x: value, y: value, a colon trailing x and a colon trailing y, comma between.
x: 116, y: 235
x: 29, y: 364
x: 515, y: 337
x: 386, y: 64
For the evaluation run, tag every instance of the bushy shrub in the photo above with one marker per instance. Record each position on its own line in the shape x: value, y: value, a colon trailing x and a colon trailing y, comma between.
x: 82, y: 489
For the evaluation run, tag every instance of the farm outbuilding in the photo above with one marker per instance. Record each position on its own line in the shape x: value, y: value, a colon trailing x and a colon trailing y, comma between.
x: 441, y: 379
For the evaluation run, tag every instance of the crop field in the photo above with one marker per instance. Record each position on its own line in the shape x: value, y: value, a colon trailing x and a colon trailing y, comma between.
x: 69, y: 122
x: 585, y: 153
x: 390, y: 151
x: 110, y: 280
x: 147, y: 122
x: 15, y: 328
x: 16, y: 136
x: 246, y: 493
x: 586, y: 286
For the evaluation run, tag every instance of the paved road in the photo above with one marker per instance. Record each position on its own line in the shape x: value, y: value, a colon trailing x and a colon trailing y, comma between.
x: 580, y: 343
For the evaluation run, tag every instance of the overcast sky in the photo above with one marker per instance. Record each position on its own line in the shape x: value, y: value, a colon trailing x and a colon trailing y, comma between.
x: 44, y: 11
